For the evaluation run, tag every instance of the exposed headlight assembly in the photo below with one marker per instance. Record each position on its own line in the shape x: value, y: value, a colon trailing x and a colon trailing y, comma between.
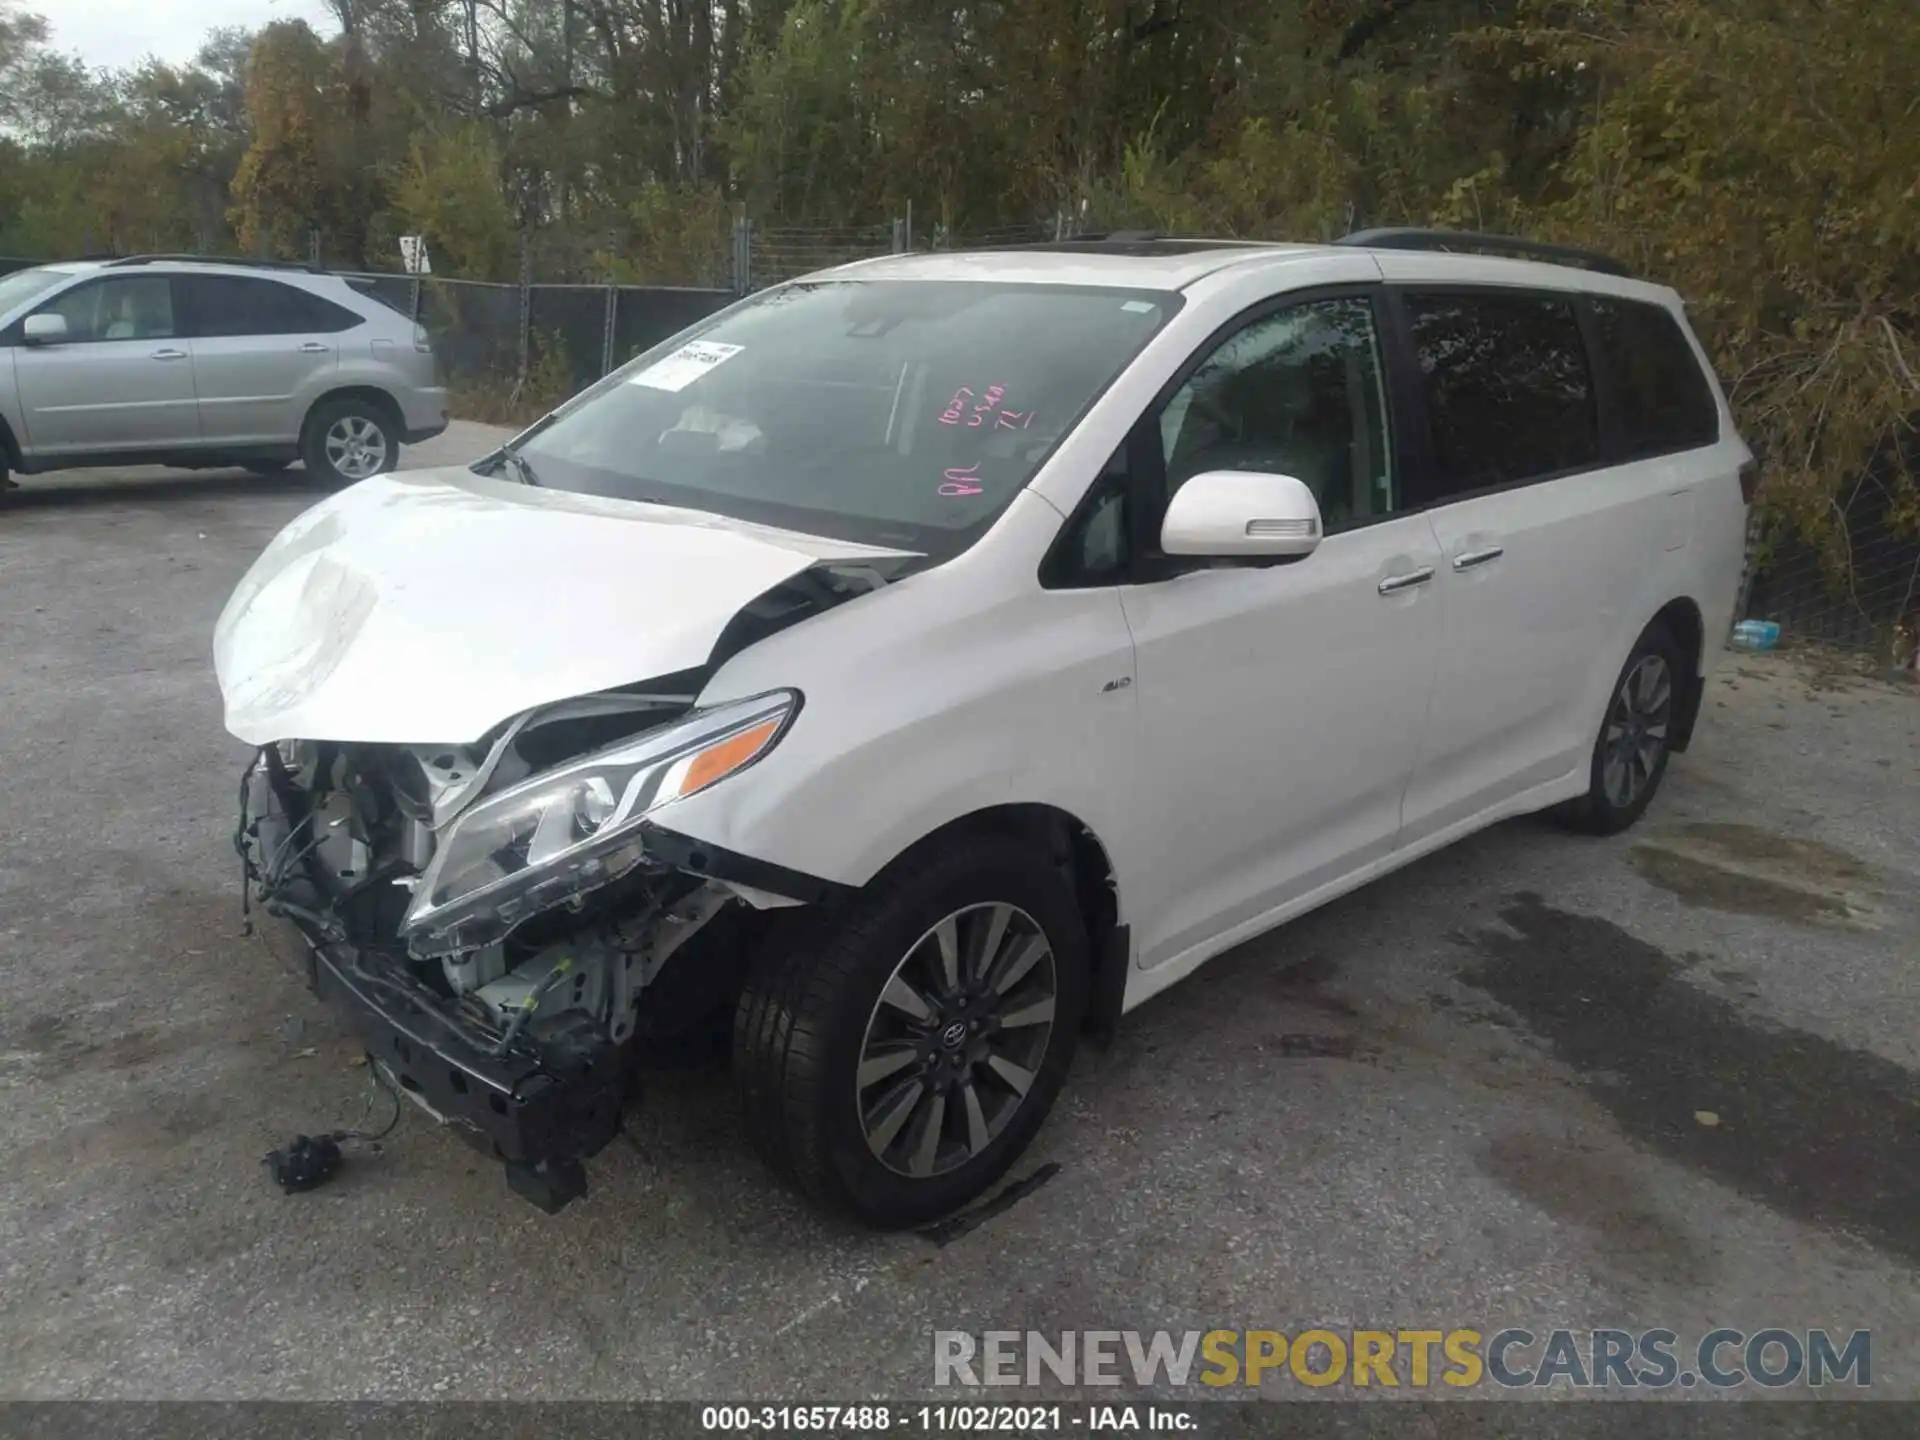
x: 575, y: 828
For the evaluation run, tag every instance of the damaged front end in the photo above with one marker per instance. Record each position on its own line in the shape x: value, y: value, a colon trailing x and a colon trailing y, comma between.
x: 506, y: 925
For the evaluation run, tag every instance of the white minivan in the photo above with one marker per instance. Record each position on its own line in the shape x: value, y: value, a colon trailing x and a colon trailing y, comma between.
x: 917, y: 664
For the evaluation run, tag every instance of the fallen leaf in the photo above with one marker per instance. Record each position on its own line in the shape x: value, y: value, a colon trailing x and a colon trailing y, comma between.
x: 303, y: 1054
x: 1707, y: 1118
x: 357, y: 1061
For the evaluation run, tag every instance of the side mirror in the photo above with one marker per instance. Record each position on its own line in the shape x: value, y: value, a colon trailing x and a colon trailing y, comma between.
x: 44, y: 329
x: 1228, y: 513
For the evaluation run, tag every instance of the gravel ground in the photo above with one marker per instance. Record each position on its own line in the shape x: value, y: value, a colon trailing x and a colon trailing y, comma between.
x: 1466, y: 1096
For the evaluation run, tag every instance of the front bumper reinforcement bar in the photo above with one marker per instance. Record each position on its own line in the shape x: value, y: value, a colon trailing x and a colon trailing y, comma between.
x: 540, y: 1120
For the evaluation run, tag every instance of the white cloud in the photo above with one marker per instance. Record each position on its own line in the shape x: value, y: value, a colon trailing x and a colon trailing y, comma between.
x: 116, y: 33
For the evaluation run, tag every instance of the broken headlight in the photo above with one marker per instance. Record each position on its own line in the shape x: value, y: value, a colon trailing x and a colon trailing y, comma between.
x: 576, y: 827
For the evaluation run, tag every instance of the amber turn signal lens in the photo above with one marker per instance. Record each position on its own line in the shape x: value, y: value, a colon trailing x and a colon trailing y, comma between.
x: 729, y: 755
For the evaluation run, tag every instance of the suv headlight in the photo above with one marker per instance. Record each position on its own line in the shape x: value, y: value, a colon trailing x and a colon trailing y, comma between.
x: 573, y: 829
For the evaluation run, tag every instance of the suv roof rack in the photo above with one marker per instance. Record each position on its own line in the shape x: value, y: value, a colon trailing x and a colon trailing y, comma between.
x: 1127, y: 242
x: 215, y: 260
x: 1470, y: 240
x: 1084, y: 237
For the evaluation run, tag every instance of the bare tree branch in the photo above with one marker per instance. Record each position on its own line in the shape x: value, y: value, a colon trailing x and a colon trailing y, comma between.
x: 534, y: 99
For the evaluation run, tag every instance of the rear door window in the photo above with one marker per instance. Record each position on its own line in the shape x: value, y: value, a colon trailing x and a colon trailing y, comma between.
x: 1508, y: 394
x: 225, y: 305
x: 1661, y: 400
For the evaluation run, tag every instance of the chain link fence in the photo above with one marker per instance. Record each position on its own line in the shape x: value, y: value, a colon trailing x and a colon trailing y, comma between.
x: 764, y: 254
x: 512, y: 350
x: 1863, y: 590
x: 778, y: 253
x: 508, y: 349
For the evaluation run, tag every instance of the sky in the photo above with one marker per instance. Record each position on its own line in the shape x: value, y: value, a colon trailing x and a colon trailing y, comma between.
x: 115, y: 33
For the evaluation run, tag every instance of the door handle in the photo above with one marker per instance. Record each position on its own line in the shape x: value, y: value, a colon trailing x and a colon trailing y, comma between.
x: 168, y: 354
x: 1477, y: 557
x: 313, y: 347
x: 1393, y: 584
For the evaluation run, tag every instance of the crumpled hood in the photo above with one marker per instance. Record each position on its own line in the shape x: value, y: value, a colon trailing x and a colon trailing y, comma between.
x: 427, y: 607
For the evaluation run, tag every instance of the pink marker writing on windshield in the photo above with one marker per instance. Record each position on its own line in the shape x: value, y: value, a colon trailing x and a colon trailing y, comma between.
x: 962, y: 480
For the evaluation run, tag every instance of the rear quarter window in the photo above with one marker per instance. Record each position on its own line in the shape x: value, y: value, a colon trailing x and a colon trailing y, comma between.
x: 1661, y: 399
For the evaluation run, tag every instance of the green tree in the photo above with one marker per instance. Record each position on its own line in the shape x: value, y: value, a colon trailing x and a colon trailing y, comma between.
x: 1761, y: 156
x: 300, y: 172
x: 449, y: 190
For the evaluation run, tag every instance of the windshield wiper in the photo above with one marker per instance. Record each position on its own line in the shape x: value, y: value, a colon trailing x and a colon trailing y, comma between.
x: 522, y: 468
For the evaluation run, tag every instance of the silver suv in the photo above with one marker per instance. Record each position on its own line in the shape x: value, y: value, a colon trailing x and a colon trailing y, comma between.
x: 174, y: 360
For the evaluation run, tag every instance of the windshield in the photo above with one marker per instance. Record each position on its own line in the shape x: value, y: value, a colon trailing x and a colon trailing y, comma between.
x: 22, y: 285
x: 900, y: 413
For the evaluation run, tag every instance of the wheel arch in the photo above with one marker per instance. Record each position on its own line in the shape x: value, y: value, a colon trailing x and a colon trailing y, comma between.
x: 1090, y: 870
x: 1682, y: 620
x: 371, y: 394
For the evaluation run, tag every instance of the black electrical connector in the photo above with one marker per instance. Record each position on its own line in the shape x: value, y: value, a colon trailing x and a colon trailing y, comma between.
x: 309, y: 1161
x: 304, y: 1163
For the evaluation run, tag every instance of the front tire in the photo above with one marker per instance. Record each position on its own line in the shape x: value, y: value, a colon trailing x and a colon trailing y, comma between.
x: 1636, y: 737
x: 349, y: 440
x: 896, y: 1057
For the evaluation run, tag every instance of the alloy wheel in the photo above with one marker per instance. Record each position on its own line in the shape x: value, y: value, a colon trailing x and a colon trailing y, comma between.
x: 1636, y: 733
x: 956, y: 1039
x: 356, y: 447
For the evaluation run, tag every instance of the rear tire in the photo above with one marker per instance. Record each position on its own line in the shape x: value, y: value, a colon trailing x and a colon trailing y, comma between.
x: 349, y: 440
x: 878, y: 1085
x: 1636, y: 738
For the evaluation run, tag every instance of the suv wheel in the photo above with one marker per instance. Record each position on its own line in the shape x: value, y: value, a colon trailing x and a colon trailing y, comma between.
x: 897, y: 1059
x: 347, y: 440
x: 1636, y: 738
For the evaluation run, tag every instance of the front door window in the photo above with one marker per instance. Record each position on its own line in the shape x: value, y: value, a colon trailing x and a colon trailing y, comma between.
x: 1297, y: 392
x: 129, y: 307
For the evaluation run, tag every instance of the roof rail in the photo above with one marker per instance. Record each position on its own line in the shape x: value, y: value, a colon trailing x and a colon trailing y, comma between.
x: 1126, y: 242
x: 1471, y: 240
x: 1085, y: 240
x: 216, y: 260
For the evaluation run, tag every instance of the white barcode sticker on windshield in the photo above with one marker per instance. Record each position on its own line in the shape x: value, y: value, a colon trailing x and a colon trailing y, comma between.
x: 685, y: 365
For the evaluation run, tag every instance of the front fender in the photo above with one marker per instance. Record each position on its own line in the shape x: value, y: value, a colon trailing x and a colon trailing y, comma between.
x: 956, y: 691
x: 843, y: 811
